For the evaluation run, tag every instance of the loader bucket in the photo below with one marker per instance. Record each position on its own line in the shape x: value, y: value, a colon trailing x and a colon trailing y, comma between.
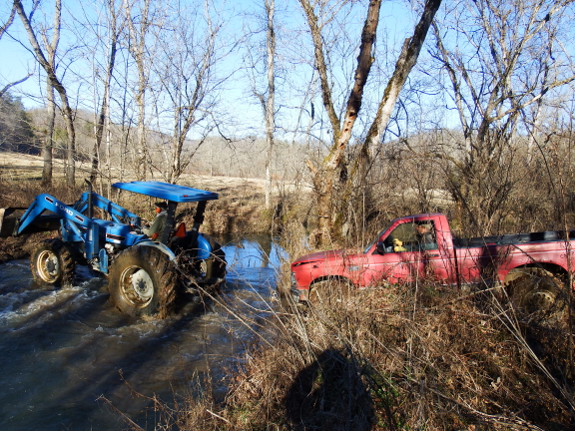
x: 10, y: 218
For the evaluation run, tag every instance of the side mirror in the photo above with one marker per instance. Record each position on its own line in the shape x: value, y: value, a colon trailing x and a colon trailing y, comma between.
x: 380, y: 247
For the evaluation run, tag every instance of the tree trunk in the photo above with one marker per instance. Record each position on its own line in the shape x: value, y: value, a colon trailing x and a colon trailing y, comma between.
x: 332, y: 173
x: 406, y: 61
x: 48, y: 145
x: 139, y: 52
x: 105, y: 100
x: 270, y: 101
x: 54, y: 82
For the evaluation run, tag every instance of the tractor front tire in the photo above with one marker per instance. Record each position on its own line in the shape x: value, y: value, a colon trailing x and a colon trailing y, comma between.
x: 201, y: 271
x: 215, y: 265
x: 52, y: 264
x: 142, y: 282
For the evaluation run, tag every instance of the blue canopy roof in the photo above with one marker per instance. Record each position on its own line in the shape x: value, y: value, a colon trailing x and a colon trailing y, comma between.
x: 166, y: 191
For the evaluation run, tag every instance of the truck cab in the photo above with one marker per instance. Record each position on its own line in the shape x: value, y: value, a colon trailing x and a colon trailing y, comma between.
x: 410, y: 248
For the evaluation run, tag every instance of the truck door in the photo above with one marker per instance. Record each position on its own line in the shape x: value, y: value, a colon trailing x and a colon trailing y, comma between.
x: 397, y: 257
x: 437, y: 256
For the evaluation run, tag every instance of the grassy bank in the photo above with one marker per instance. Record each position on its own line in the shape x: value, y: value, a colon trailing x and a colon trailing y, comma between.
x: 408, y: 357
x: 236, y: 213
x: 398, y: 358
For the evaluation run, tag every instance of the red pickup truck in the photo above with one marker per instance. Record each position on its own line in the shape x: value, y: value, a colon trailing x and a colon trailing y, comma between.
x: 421, y: 247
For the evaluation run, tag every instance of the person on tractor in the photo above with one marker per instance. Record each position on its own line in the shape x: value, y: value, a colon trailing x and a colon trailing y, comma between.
x: 155, y: 231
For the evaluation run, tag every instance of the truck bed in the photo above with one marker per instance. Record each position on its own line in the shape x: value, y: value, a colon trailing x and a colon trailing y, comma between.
x: 516, y: 238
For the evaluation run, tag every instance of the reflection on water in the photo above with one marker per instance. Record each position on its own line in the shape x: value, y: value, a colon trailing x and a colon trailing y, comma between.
x: 63, y: 349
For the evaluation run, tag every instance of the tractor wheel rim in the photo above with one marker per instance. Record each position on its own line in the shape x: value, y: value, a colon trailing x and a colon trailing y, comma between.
x: 203, y: 268
x: 137, y: 286
x: 48, y: 266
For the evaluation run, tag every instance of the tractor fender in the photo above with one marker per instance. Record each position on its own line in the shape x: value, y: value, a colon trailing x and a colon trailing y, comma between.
x: 204, y: 248
x: 159, y: 246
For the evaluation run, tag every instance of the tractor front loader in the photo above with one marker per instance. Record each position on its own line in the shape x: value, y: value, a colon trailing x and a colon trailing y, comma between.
x: 145, y: 276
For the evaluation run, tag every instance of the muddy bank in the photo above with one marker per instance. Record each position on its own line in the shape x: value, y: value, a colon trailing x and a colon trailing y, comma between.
x: 20, y: 247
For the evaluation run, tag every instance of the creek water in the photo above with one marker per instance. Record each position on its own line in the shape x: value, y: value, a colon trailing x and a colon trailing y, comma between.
x: 69, y: 360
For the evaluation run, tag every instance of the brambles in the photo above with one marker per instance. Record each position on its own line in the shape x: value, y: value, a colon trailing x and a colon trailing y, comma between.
x: 382, y: 360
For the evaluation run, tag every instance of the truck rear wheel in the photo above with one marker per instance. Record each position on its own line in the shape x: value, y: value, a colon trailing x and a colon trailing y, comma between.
x: 142, y: 281
x: 535, y: 290
x: 52, y: 264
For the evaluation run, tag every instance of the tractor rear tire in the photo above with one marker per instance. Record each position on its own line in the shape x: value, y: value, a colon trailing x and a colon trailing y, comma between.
x: 535, y: 290
x: 143, y: 282
x: 53, y: 264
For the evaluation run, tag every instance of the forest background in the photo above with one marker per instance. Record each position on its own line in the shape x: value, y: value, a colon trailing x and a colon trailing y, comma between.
x: 383, y: 108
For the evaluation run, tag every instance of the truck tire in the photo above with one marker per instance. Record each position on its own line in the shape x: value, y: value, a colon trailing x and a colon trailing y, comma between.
x: 535, y: 290
x: 52, y: 264
x: 142, y: 282
x: 329, y: 292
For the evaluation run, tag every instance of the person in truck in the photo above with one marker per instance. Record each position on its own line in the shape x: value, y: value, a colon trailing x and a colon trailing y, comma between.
x: 155, y: 231
x: 425, y: 236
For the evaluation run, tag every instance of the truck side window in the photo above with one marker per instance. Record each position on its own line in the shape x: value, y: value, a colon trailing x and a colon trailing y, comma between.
x: 412, y: 236
x: 400, y: 239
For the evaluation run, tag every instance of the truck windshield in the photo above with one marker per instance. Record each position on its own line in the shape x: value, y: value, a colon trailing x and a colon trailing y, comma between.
x: 374, y: 241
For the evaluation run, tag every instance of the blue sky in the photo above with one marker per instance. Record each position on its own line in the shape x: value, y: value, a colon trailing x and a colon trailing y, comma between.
x: 15, y: 61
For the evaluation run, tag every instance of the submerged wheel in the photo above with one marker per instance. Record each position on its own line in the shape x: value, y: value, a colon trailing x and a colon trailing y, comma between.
x: 215, y: 265
x: 201, y: 270
x: 52, y: 264
x: 535, y: 290
x: 142, y: 281
x: 329, y: 292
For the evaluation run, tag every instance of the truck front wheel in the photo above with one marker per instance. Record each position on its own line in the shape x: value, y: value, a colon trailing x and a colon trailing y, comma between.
x: 330, y: 291
x: 52, y: 264
x: 535, y: 290
x: 142, y: 281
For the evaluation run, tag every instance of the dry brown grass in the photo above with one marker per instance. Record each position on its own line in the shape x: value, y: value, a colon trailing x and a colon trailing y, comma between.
x: 239, y: 210
x: 392, y: 360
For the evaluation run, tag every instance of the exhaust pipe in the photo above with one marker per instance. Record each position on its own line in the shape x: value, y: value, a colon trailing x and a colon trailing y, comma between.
x: 90, y: 207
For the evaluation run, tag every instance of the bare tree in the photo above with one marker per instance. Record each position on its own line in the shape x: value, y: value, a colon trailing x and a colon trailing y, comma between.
x: 3, y: 30
x: 54, y: 83
x: 331, y: 175
x: 407, y: 59
x: 114, y: 27
x: 8, y: 22
x: 506, y: 61
x: 269, y: 101
x: 140, y: 21
x: 265, y: 95
x: 188, y: 84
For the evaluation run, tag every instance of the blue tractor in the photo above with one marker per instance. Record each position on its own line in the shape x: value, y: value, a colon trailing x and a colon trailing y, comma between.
x: 145, y: 275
